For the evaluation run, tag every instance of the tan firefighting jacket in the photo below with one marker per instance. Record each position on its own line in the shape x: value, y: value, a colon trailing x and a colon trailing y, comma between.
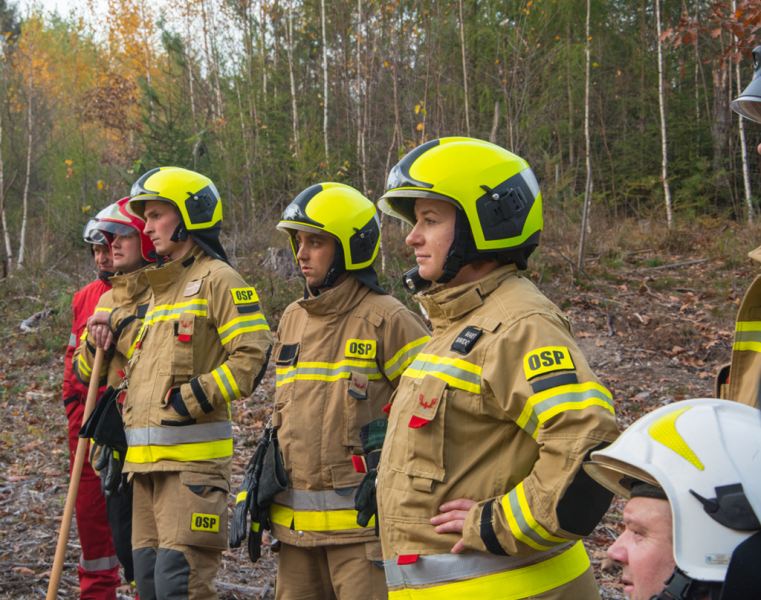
x: 339, y: 357
x: 500, y: 408
x: 205, y: 334
x: 741, y: 379
x: 131, y: 292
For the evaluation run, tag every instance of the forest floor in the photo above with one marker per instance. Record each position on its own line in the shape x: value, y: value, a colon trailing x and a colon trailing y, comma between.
x: 653, y: 335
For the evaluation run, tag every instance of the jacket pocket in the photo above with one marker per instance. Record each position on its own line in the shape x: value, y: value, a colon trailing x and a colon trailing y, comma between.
x: 357, y: 409
x: 426, y: 434
x: 182, y: 354
x: 202, y: 509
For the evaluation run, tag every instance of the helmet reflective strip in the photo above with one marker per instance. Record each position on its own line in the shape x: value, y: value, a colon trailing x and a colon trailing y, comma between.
x: 664, y: 431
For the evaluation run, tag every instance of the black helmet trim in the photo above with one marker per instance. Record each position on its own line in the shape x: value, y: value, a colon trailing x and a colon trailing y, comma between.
x: 137, y: 187
x: 296, y: 210
x: 503, y: 210
x: 362, y: 242
x: 400, y: 174
x: 730, y: 508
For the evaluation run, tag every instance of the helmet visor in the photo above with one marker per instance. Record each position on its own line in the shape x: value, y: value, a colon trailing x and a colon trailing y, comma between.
x: 92, y: 235
x: 116, y: 228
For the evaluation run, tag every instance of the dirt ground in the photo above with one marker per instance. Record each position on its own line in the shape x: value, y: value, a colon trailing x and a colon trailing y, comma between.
x: 652, y: 335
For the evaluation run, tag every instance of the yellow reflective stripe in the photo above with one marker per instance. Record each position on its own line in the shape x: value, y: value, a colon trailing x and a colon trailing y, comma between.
x: 525, y: 582
x: 320, y: 371
x: 84, y: 334
x: 226, y: 383
x: 84, y: 368
x: 518, y: 526
x: 131, y: 350
x: 532, y: 522
x: 664, y: 431
x: 168, y: 312
x: 752, y: 346
x: 748, y: 326
x: 103, y: 309
x: 541, y: 407
x: 241, y: 497
x: 329, y: 520
x: 457, y: 373
x: 255, y: 526
x: 180, y: 452
x: 243, y: 324
x: 403, y: 358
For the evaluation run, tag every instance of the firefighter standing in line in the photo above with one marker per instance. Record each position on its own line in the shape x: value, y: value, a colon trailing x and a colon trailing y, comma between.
x: 339, y: 356
x: 491, y: 422
x: 203, y: 343
x: 98, y: 565
x: 131, y: 251
x: 741, y: 379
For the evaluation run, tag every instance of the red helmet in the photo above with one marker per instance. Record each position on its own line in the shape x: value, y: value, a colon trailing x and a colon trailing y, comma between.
x: 118, y: 219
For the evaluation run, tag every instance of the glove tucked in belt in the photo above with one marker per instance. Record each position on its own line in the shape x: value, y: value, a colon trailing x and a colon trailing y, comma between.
x: 372, y: 435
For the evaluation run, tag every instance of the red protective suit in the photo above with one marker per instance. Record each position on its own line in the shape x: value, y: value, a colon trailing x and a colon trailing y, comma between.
x: 98, y: 565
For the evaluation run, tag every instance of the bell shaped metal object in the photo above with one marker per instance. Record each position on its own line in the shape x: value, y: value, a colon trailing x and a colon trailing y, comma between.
x: 749, y: 102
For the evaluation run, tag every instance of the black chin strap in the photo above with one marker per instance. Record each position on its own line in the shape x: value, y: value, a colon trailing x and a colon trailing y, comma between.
x: 180, y: 233
x: 104, y: 276
x: 337, y: 267
x: 680, y: 586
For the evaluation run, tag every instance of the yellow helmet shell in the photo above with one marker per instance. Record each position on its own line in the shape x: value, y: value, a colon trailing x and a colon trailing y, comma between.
x: 194, y: 195
x: 496, y: 189
x: 338, y: 210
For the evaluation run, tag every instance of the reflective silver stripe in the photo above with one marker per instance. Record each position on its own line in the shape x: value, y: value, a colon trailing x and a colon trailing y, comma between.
x: 565, y: 397
x: 171, y: 436
x: 319, y: 501
x: 748, y: 336
x: 73, y: 340
x: 393, y: 367
x: 304, y: 372
x: 448, y: 567
x: 99, y: 564
x: 421, y: 364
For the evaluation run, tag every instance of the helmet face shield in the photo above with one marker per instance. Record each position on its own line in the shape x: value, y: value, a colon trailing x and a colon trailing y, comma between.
x: 748, y: 104
x: 92, y: 235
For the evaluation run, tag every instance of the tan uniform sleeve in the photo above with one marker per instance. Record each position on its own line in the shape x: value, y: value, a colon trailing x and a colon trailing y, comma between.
x: 127, y: 329
x: 243, y: 331
x: 84, y: 355
x: 537, y: 377
x: 403, y: 339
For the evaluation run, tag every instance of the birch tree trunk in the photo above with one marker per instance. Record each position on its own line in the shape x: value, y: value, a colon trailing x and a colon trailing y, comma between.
x: 325, y: 84
x: 494, y: 124
x: 22, y: 238
x: 6, y: 235
x: 360, y: 124
x: 661, y: 103
x: 743, y: 145
x: 293, y: 81
x: 464, y: 72
x: 587, y: 192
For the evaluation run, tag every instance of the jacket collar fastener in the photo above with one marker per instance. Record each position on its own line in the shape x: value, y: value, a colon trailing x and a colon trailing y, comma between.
x: 446, y: 305
x: 163, y: 278
x: 337, y: 300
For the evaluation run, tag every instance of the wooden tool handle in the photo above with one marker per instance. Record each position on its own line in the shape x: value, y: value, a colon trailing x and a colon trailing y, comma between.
x: 76, y: 474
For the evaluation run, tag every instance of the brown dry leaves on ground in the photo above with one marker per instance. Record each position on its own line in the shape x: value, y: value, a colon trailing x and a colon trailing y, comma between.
x: 653, y: 337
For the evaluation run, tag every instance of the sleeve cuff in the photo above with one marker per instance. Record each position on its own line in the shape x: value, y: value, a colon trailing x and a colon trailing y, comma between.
x: 471, y: 532
x: 195, y: 399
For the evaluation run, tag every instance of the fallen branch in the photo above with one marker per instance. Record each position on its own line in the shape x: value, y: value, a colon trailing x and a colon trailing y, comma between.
x: 675, y: 265
x: 30, y: 324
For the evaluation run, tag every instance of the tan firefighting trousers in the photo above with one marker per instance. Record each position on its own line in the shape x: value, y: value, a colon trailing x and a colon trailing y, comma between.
x: 179, y: 530
x: 342, y: 572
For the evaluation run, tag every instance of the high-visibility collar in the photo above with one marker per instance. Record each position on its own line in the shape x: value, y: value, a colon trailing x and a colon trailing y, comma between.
x: 337, y: 300
x: 128, y: 286
x: 445, y: 305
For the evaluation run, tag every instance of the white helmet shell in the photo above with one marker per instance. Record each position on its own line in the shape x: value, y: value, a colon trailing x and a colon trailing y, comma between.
x: 694, y: 445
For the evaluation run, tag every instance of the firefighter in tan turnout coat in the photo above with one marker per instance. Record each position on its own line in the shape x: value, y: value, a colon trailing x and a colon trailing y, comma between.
x: 340, y: 354
x: 480, y: 491
x: 203, y: 343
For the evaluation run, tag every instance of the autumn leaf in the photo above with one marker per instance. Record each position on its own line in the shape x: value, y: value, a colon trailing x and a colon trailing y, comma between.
x: 716, y: 33
x: 101, y: 183
x: 69, y: 162
x: 420, y: 127
x: 417, y: 108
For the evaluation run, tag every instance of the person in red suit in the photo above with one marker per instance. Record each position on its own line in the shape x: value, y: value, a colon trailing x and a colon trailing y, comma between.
x: 98, y: 565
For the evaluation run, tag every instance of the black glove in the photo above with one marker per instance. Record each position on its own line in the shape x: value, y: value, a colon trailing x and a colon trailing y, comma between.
x: 109, y: 465
x: 255, y: 541
x: 365, y: 502
x: 246, y: 500
x: 372, y: 435
x: 177, y: 403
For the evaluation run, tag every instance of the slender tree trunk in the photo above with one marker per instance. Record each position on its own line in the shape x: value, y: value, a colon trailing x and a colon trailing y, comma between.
x: 22, y: 238
x: 325, y: 84
x: 494, y: 124
x: 571, y: 159
x: 190, y: 69
x: 662, y: 105
x: 588, y: 191
x: 8, y: 250
x: 464, y: 71
x: 294, y: 108
x: 743, y: 145
x: 360, y: 128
